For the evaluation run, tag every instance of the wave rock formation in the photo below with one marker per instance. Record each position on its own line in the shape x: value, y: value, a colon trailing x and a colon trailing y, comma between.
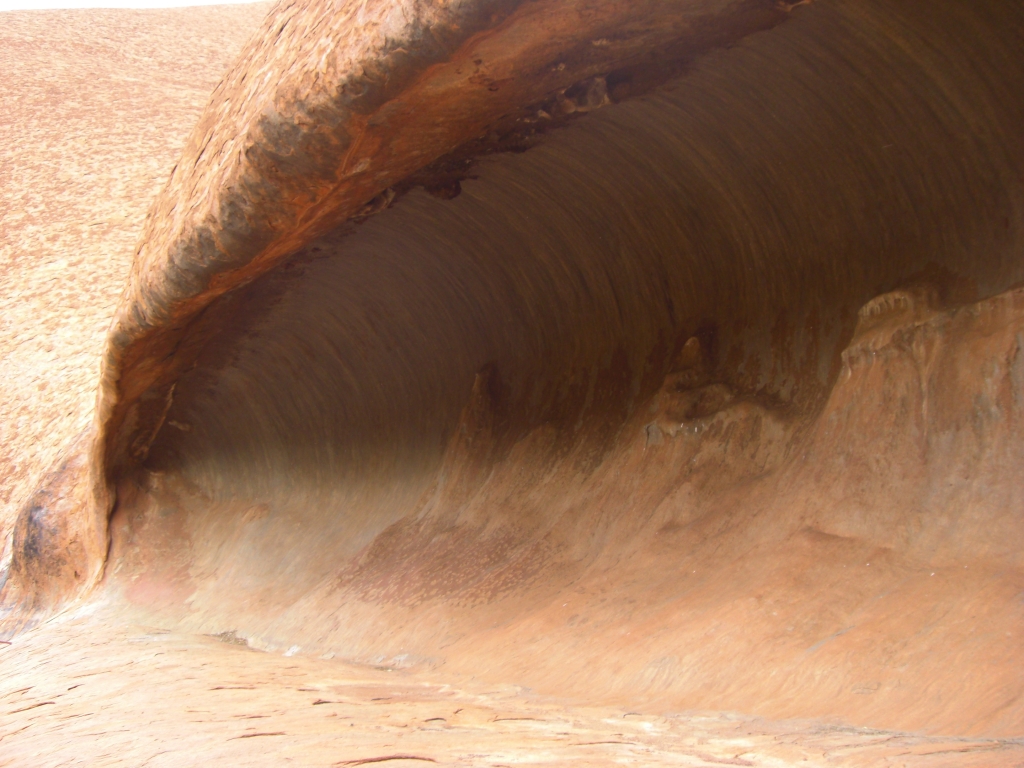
x: 663, y: 350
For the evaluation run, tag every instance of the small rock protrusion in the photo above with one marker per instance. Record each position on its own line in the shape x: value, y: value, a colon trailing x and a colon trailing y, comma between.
x: 584, y: 97
x: 897, y: 307
x: 689, y: 369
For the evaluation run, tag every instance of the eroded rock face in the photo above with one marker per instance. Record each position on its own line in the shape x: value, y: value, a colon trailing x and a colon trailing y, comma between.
x: 97, y: 105
x: 726, y: 366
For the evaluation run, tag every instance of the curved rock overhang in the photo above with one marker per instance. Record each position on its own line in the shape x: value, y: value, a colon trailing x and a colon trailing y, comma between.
x: 327, y: 111
x: 324, y: 113
x: 381, y: 380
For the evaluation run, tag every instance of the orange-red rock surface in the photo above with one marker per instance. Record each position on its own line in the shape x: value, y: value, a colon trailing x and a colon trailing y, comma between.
x: 575, y: 359
x: 95, y: 691
x: 96, y: 107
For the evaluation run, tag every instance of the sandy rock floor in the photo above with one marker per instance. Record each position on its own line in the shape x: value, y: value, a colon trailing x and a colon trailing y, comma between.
x: 83, y: 691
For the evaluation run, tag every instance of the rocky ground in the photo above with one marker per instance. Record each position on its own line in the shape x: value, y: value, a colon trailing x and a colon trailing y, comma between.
x: 83, y: 690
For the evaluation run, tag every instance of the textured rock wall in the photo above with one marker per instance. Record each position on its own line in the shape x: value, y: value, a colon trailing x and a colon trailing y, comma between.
x: 324, y: 112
